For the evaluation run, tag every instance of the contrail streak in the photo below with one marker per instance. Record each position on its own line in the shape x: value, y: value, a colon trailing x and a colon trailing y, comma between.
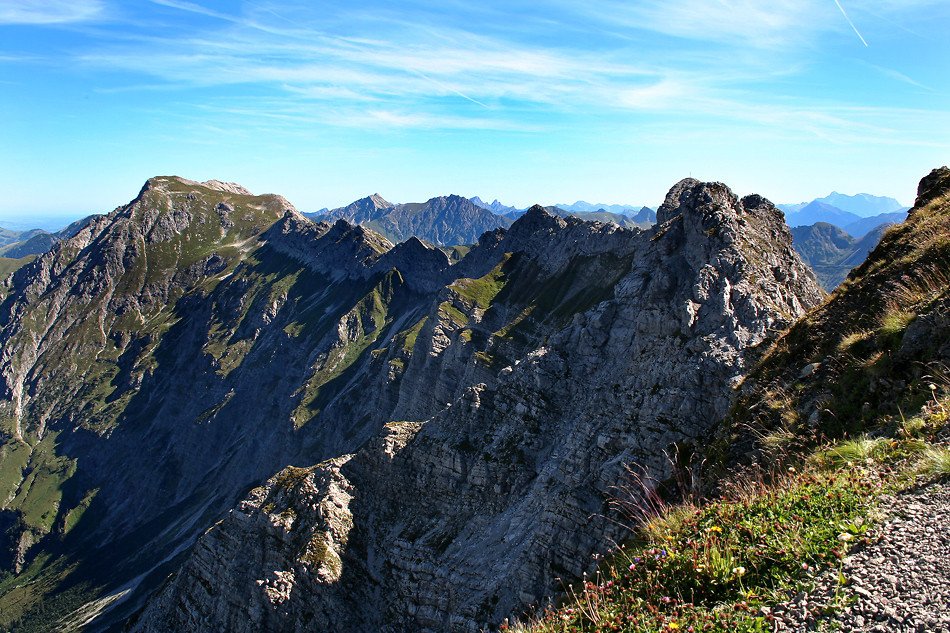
x: 449, y: 88
x: 858, y: 33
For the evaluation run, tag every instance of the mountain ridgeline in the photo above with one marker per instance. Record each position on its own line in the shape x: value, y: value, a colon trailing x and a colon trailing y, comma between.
x: 445, y: 220
x: 217, y: 414
x: 831, y: 252
x: 454, y: 220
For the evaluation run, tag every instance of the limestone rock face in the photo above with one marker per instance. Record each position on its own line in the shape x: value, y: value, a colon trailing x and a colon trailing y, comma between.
x: 554, y: 354
x: 303, y: 515
x: 177, y: 352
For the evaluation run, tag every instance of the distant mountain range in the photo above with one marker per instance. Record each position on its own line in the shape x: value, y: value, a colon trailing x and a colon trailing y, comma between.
x: 586, y: 207
x: 497, y: 207
x: 832, y: 234
x: 857, y: 226
x: 835, y: 233
x: 19, y: 244
x: 832, y: 252
x: 863, y: 205
x: 453, y: 220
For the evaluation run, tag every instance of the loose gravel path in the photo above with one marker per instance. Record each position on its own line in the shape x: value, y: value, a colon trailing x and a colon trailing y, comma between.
x: 899, y: 582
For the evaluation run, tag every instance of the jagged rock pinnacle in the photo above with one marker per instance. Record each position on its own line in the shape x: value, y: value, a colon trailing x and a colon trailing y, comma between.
x: 934, y: 184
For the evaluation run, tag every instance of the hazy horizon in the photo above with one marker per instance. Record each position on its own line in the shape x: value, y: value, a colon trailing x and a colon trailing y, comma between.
x: 52, y: 223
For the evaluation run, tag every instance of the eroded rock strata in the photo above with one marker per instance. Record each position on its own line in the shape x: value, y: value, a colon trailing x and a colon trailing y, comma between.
x: 505, y: 409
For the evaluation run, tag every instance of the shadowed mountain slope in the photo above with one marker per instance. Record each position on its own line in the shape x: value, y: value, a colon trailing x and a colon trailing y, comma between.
x: 555, y: 352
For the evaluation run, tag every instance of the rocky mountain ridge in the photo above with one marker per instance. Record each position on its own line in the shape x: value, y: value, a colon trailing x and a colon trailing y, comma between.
x: 520, y: 459
x: 181, y: 350
x: 443, y: 220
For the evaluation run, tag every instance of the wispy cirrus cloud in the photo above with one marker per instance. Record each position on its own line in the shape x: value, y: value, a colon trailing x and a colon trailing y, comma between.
x: 50, y: 11
x: 899, y: 76
x: 743, y: 23
x: 346, y: 67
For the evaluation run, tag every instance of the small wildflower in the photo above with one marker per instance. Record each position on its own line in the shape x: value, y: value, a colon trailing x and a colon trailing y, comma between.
x: 714, y: 528
x: 674, y: 625
x: 844, y: 537
x: 738, y: 571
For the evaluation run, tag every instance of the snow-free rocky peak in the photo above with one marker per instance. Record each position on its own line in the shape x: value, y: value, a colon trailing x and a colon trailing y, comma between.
x: 505, y: 405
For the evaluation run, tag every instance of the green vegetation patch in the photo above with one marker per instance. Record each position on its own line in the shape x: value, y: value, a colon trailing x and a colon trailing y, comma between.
x: 291, y: 477
x: 9, y: 265
x: 368, y: 319
x: 409, y: 336
x: 452, y: 313
x: 482, y: 291
x: 34, y: 601
x: 712, y: 568
x: 40, y: 492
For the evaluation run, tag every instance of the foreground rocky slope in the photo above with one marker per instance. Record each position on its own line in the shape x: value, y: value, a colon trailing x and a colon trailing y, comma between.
x: 574, y: 348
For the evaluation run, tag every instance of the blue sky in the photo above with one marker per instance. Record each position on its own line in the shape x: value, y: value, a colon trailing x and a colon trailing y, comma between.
x: 542, y: 101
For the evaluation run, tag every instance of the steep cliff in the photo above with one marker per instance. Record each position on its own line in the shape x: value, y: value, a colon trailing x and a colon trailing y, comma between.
x: 554, y: 353
x: 167, y: 358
